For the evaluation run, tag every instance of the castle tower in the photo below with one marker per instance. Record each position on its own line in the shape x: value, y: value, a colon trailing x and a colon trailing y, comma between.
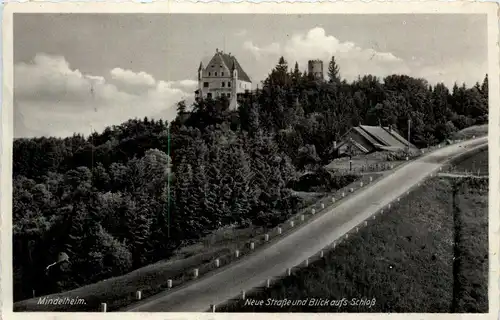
x: 315, y: 69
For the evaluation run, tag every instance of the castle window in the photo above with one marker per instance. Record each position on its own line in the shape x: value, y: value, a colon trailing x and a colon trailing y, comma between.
x: 223, y: 84
x: 216, y: 73
x: 209, y: 74
x: 229, y: 84
x: 205, y: 84
x: 222, y: 74
x: 229, y: 95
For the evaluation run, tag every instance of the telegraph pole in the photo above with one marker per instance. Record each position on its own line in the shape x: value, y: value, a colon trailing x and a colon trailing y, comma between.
x: 169, y: 173
x: 409, y: 128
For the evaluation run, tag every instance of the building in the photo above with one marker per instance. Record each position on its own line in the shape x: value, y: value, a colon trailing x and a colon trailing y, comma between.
x: 315, y: 69
x: 367, y: 139
x: 222, y: 77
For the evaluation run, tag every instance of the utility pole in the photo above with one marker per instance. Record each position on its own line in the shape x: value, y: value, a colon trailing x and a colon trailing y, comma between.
x: 169, y: 173
x: 409, y: 128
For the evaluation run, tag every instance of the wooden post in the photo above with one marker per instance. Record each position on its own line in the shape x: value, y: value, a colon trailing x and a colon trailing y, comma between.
x: 195, y: 273
x: 306, y: 262
x: 252, y: 245
x: 288, y: 271
x: 268, y: 283
x: 292, y: 224
x: 243, y: 294
x: 279, y: 230
x: 169, y: 283
x: 321, y: 254
x: 217, y: 263
x: 138, y: 295
x: 266, y: 237
x: 237, y: 253
x: 212, y: 307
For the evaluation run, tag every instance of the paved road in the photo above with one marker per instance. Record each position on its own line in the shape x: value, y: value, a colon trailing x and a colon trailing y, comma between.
x: 292, y: 250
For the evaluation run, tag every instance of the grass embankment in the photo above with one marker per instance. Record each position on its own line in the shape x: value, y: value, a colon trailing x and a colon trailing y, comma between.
x: 476, y: 164
x: 474, y: 131
x: 404, y: 260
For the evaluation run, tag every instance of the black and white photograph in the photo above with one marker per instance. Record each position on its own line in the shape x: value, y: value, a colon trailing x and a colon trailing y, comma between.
x: 239, y: 161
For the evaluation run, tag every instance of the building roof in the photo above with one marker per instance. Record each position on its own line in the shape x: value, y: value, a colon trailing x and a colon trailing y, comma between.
x: 382, y: 138
x: 231, y: 62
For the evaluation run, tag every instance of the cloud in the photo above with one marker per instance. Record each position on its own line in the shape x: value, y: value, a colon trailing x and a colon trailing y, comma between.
x: 316, y: 44
x: 130, y: 81
x: 51, y: 98
x: 258, y: 52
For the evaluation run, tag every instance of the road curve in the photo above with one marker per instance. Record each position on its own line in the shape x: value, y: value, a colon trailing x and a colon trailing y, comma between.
x: 272, y: 261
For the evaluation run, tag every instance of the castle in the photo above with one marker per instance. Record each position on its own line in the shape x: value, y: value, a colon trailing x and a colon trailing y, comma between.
x: 222, y: 77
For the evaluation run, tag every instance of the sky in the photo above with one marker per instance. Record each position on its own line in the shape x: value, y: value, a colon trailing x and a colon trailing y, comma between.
x: 84, y: 72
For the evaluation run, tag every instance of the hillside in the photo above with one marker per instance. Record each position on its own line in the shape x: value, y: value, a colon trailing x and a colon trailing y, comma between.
x: 140, y: 192
x: 404, y: 261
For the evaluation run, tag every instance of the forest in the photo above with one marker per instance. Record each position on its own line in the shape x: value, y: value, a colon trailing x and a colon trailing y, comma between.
x: 130, y: 195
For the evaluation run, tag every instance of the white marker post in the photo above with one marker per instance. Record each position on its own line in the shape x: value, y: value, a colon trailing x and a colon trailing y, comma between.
x: 266, y: 237
x: 313, y: 211
x: 195, y: 273
x: 217, y: 263
x: 242, y: 294
x: 252, y: 245
x: 169, y: 283
x: 361, y: 184
x: 333, y: 199
x: 103, y: 307
x: 279, y: 230
x: 292, y: 224
x: 322, y: 206
x: 237, y: 253
x: 138, y: 295
x: 302, y: 217
x: 288, y: 271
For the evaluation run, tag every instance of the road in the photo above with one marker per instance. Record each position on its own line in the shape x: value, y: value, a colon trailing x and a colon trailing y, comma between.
x: 252, y: 270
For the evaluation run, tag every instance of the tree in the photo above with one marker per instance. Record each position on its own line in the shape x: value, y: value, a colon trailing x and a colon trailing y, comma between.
x: 334, y: 71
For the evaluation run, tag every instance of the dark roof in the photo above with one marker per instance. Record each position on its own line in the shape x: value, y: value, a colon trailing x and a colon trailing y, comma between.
x: 380, y: 137
x: 231, y: 61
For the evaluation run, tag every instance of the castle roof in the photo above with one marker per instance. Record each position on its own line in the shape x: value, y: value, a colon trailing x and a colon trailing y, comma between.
x: 230, y: 62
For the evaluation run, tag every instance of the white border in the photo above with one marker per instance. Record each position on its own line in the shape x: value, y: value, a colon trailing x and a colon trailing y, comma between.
x: 351, y: 7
